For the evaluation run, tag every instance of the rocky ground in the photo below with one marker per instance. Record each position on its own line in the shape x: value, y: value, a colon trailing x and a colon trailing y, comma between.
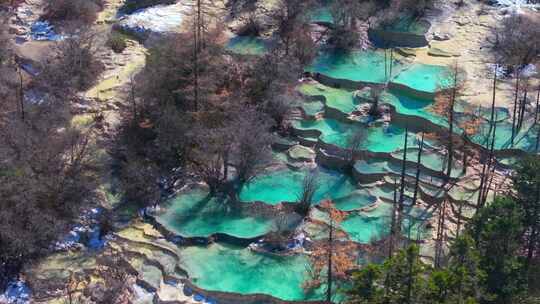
x: 464, y: 35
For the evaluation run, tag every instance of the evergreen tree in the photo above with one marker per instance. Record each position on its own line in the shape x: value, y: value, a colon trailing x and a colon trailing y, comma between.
x: 497, y: 230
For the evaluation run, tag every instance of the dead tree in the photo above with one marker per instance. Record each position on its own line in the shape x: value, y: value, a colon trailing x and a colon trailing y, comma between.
x: 401, y: 203
x: 418, y: 170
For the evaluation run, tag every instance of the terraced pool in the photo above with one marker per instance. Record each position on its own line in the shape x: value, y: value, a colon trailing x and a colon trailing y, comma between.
x: 364, y: 193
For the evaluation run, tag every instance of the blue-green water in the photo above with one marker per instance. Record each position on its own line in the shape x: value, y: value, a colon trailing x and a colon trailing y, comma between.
x: 195, y: 214
x: 233, y: 269
x: 248, y: 45
x: 361, y: 66
x: 377, y: 138
x: 285, y: 185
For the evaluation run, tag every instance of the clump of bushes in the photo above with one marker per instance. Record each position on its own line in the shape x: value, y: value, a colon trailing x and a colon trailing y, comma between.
x: 84, y: 11
x: 117, y: 42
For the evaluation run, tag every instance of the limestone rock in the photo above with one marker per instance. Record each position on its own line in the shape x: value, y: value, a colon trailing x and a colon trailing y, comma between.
x: 441, y: 36
x: 363, y: 95
x: 436, y: 52
x: 301, y: 153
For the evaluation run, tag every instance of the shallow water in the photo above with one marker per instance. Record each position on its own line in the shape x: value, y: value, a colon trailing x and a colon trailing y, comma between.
x: 339, y: 99
x: 193, y: 213
x: 369, y: 67
x: 222, y: 267
x: 407, y: 24
x: 285, y: 185
x: 377, y: 138
x: 361, y: 66
x: 424, y: 77
x: 322, y: 15
x: 247, y: 45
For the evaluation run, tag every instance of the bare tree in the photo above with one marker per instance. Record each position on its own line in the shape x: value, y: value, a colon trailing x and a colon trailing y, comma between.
x: 331, y: 258
x: 84, y: 11
x: 291, y: 20
x: 252, y: 139
x: 345, y: 14
x: 401, y: 202
x: 445, y: 101
x: 517, y: 40
x: 307, y: 194
x: 418, y: 171
x: 75, y: 66
x: 355, y: 142
x: 48, y: 172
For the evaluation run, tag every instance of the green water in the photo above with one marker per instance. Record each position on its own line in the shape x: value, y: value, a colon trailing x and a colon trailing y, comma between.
x: 408, y: 24
x: 195, y: 214
x: 339, y: 99
x: 431, y: 160
x: 424, y: 77
x: 339, y: 133
x: 378, y: 139
x: 367, y: 227
x: 361, y: 66
x: 410, y: 106
x: 364, y: 229
x: 247, y: 45
x: 355, y: 200
x: 369, y: 67
x: 525, y: 139
x: 332, y: 131
x: 285, y: 185
x: 322, y: 15
x: 232, y: 269
x: 312, y: 108
x: 380, y: 167
x: 371, y: 225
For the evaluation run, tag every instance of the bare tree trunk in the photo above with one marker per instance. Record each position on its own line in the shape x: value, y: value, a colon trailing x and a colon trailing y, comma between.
x: 402, y: 185
x: 458, y: 225
x: 485, y: 172
x: 132, y: 97
x: 391, y: 63
x: 440, y: 233
x: 488, y: 185
x: 464, y: 160
x: 417, y: 177
x: 329, y: 271
x: 226, y: 165
x: 492, y: 129
x: 523, y: 105
x: 21, y: 93
x: 197, y: 50
x: 516, y: 97
x: 451, y: 124
x: 393, y: 222
x: 494, y: 95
